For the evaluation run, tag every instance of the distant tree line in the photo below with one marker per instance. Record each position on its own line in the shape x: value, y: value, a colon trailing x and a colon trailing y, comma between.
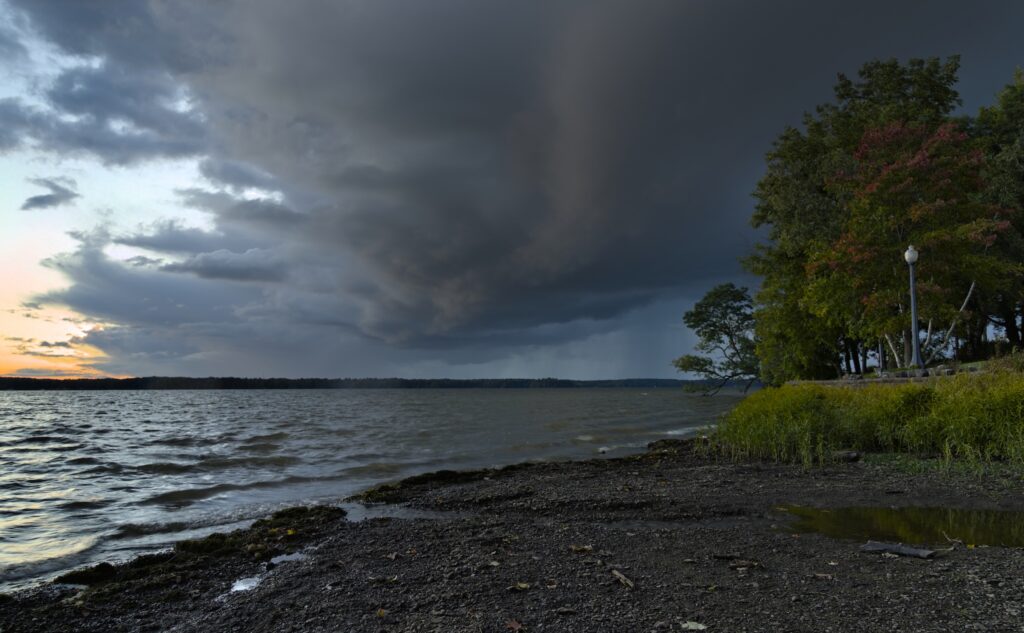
x: 158, y: 382
x: 883, y: 166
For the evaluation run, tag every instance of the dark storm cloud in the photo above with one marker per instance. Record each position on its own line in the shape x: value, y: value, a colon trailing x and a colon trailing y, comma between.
x: 114, y: 110
x: 109, y: 291
x: 14, y: 120
x: 236, y: 175
x: 61, y: 192
x: 11, y: 47
x: 240, y: 224
x: 475, y: 188
x: 141, y: 33
x: 171, y: 236
x: 252, y: 265
x: 114, y: 93
x: 251, y: 213
x: 143, y: 261
x: 460, y: 174
x: 112, y: 139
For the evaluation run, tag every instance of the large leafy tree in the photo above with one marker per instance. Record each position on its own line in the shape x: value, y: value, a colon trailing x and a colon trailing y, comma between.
x: 882, y: 165
x: 910, y: 184
x: 723, y: 320
x: 1000, y: 130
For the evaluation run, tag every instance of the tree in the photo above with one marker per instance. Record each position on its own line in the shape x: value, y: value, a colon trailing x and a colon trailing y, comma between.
x: 911, y: 184
x: 790, y: 341
x: 724, y: 322
x: 1000, y: 130
x: 882, y: 166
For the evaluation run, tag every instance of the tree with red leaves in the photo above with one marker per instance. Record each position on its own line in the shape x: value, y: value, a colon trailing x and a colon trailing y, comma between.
x: 883, y: 166
x: 910, y: 183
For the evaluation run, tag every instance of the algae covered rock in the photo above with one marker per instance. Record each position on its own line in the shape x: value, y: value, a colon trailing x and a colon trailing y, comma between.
x: 88, y: 575
x: 201, y: 564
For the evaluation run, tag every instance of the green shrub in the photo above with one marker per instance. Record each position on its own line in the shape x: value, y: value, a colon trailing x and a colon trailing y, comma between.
x: 973, y: 417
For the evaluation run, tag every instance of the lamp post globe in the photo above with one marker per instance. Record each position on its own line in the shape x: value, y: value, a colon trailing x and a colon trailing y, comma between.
x: 911, y: 256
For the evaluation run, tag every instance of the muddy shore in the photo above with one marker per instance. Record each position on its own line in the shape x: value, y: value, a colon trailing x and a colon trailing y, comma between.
x: 668, y: 540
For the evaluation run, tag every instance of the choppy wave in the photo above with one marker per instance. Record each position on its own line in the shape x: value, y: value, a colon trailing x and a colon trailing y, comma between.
x: 133, y: 530
x: 91, y: 504
x: 260, y: 447
x: 184, y: 497
x: 46, y: 560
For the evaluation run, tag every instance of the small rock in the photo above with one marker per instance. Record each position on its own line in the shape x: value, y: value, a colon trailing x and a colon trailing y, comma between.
x: 726, y: 556
x: 89, y: 576
x: 846, y: 456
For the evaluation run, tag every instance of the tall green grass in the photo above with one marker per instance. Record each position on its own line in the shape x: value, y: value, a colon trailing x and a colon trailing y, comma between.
x: 973, y: 417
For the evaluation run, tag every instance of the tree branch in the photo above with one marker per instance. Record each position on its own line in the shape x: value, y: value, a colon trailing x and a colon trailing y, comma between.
x: 892, y: 347
x: 719, y: 386
x: 949, y: 332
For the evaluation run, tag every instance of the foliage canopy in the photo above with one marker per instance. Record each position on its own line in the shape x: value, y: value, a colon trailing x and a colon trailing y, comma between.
x: 884, y: 165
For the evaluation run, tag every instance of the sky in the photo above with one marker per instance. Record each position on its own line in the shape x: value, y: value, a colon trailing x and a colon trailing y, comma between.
x: 453, y: 188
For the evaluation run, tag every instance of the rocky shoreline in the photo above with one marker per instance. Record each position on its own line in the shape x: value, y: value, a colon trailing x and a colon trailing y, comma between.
x: 668, y: 540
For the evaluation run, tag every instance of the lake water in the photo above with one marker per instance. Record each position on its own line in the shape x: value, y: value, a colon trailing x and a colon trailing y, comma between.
x: 87, y: 476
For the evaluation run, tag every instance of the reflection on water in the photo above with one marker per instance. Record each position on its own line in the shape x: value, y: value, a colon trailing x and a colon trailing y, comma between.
x: 918, y: 526
x: 87, y: 476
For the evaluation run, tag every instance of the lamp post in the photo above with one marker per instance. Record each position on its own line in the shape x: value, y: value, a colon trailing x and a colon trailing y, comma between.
x: 911, y: 257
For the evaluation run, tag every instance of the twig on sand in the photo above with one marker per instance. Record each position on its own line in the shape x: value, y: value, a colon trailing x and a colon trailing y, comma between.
x: 622, y: 578
x: 953, y: 543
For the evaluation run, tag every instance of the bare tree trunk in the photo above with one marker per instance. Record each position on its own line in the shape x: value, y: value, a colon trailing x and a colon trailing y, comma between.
x: 945, y: 339
x: 892, y: 348
x: 1010, y: 326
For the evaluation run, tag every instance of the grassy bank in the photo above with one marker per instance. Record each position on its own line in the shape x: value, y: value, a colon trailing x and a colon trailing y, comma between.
x: 972, y: 417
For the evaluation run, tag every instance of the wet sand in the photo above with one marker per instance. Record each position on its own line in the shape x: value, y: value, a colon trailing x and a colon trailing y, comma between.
x: 668, y: 540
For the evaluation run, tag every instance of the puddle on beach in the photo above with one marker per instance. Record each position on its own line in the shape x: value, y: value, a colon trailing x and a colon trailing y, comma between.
x: 722, y: 522
x: 918, y: 526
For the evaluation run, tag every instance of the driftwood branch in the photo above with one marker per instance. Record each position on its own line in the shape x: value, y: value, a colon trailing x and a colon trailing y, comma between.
x: 897, y: 548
